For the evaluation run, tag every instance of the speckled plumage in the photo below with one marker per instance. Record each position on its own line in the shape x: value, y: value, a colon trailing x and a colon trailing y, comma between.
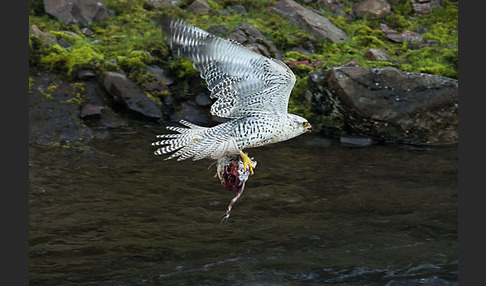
x: 252, y: 91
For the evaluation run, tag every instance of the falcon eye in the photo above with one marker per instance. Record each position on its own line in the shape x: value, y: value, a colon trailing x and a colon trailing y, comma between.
x: 305, y: 124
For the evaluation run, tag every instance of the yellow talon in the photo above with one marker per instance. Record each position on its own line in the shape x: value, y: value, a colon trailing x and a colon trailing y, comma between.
x: 247, y: 162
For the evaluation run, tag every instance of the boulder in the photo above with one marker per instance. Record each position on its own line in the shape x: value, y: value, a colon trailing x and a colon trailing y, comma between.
x: 238, y: 9
x: 335, y: 6
x: 127, y: 93
x: 67, y: 114
x: 199, y: 7
x: 53, y: 116
x: 160, y: 74
x: 46, y: 38
x: 82, y: 12
x: 218, y: 30
x: 372, y: 9
x: 332, y: 5
x: 405, y: 36
x: 388, y: 104
x: 91, y: 110
x: 250, y: 37
x: 317, y: 25
x: 378, y: 55
x: 191, y: 113
x: 425, y: 6
x: 86, y: 74
x: 162, y: 3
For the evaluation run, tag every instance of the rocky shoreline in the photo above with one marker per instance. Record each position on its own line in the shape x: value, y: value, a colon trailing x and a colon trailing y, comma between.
x: 384, y: 104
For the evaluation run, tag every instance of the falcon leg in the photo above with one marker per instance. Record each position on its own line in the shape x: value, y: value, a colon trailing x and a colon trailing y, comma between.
x: 247, y: 162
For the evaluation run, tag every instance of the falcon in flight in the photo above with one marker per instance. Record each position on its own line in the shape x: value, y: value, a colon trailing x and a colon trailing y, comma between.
x: 252, y: 92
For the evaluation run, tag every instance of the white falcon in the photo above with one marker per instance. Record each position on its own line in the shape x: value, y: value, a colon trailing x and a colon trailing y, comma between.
x: 252, y: 91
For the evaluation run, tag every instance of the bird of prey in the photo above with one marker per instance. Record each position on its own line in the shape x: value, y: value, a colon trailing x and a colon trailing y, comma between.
x: 252, y: 92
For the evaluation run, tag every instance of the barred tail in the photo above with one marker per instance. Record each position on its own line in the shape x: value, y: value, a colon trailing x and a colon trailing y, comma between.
x: 195, y: 141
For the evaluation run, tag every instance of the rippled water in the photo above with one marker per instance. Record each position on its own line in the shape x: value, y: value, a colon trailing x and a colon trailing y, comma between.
x: 315, y: 212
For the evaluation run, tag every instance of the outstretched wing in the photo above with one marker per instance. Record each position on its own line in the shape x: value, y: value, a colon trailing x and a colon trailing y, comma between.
x: 244, y: 82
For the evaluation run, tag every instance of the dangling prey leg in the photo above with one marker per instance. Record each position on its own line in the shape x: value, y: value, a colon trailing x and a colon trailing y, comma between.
x: 247, y: 162
x: 233, y: 201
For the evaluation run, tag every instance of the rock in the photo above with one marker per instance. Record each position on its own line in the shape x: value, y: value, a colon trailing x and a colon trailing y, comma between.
x: 218, y: 30
x: 57, y: 110
x: 155, y: 86
x: 196, y: 115
x: 250, y: 37
x: 405, y: 36
x: 351, y: 63
x: 203, y: 99
x: 238, y: 9
x: 63, y: 43
x: 77, y: 12
x: 87, y: 32
x: 162, y: 3
x: 317, y: 25
x: 86, y: 74
x: 127, y: 93
x: 199, y: 7
x: 372, y: 9
x: 160, y: 74
x: 388, y: 104
x: 108, y: 119
x: 378, y: 55
x: 91, y: 110
x: 425, y: 6
x: 332, y: 5
x: 71, y: 35
x: 336, y: 7
x: 291, y: 64
x: 46, y: 38
x: 54, y: 118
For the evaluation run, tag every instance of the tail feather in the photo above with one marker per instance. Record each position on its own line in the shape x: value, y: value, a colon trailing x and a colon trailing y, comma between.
x: 174, y: 142
x: 195, y: 141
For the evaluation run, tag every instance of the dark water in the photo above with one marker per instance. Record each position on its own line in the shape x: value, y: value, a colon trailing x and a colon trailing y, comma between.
x: 316, y: 212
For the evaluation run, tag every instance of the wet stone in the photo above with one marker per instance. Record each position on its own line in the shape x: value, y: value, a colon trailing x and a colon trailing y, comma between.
x: 91, y: 110
x: 86, y: 74
x: 203, y: 99
x: 63, y: 43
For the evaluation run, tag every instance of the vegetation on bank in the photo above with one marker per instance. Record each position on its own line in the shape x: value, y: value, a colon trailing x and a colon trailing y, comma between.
x: 129, y: 40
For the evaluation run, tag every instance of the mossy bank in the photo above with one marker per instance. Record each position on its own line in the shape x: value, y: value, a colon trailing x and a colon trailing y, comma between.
x: 129, y: 41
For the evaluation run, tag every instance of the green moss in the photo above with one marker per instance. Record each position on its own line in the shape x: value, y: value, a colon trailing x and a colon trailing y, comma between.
x: 437, y: 55
x: 183, y: 68
x: 53, y: 86
x: 134, y: 61
x: 131, y: 40
x: 297, y: 102
x: 431, y: 60
x: 79, y: 92
x: 155, y: 97
x: 31, y: 84
x: 47, y: 95
x: 69, y: 60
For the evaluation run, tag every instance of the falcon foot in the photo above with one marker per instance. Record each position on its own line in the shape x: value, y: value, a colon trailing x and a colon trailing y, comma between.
x: 247, y: 162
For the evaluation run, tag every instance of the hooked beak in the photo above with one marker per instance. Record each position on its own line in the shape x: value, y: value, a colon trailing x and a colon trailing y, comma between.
x: 308, y: 127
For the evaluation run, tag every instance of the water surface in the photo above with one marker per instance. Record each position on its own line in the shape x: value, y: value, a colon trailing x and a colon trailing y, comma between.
x: 316, y: 212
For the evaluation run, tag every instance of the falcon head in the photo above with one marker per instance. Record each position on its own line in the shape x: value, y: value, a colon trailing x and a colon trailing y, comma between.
x: 300, y: 124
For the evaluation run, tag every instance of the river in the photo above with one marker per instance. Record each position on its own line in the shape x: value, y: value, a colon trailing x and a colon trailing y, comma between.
x: 316, y: 212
